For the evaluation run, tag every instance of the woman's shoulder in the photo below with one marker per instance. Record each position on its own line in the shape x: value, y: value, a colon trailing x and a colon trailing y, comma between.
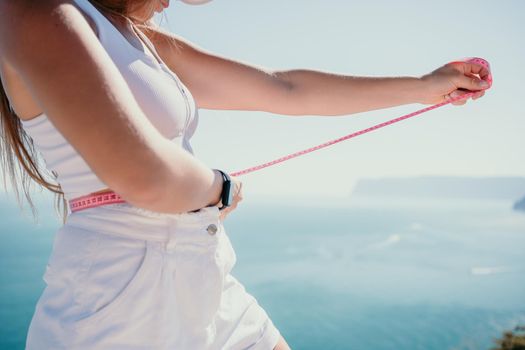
x: 26, y: 26
x: 20, y: 97
x: 177, y: 51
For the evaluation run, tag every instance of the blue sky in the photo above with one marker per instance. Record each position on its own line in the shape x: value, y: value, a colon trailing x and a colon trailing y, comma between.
x: 373, y: 38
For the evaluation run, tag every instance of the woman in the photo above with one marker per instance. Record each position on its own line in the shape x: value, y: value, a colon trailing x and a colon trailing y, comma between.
x: 94, y: 86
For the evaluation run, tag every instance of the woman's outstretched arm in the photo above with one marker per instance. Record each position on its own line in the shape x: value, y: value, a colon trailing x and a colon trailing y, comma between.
x: 219, y: 82
x: 325, y: 93
x: 58, y: 55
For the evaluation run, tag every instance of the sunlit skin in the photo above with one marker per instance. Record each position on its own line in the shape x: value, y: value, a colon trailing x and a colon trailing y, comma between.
x: 254, y: 89
x: 239, y: 86
x: 236, y: 86
x: 143, y: 15
x: 157, y: 6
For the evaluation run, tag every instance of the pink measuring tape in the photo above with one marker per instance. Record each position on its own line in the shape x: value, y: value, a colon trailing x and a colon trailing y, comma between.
x: 96, y: 199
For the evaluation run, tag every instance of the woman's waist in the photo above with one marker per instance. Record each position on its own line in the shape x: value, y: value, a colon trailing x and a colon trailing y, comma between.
x: 126, y: 220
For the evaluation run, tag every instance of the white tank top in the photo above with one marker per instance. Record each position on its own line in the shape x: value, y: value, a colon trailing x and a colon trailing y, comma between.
x: 163, y: 98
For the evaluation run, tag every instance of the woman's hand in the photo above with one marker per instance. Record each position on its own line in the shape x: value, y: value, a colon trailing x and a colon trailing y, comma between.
x: 455, y: 79
x: 237, y: 197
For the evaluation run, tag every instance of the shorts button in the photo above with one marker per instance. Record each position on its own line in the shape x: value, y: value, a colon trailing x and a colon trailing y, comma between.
x: 212, y: 229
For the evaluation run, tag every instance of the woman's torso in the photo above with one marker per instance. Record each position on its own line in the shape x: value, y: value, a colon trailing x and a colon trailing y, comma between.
x: 165, y: 100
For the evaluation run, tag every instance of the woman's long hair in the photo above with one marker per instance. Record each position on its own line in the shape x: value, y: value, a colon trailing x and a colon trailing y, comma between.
x: 20, y: 159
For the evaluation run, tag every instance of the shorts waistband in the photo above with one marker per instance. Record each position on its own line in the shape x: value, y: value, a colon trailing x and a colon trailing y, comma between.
x: 126, y: 220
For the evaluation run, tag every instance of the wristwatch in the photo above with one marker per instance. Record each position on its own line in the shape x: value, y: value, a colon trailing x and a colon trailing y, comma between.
x: 227, y: 190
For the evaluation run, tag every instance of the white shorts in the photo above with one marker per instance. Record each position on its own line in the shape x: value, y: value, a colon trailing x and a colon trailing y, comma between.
x: 122, y: 277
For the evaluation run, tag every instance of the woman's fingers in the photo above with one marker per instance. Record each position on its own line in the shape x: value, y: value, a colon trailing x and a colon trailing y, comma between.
x: 476, y: 93
x: 458, y: 93
x: 239, y: 193
x: 473, y: 76
x: 472, y: 83
x: 227, y: 211
x: 478, y: 69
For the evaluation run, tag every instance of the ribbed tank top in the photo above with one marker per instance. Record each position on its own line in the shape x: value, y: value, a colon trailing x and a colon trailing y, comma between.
x: 163, y: 98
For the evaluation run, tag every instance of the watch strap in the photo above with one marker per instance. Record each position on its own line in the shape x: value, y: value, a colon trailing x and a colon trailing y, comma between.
x: 226, y: 194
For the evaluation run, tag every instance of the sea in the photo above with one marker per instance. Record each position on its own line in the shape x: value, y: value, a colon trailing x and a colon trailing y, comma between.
x: 352, y: 273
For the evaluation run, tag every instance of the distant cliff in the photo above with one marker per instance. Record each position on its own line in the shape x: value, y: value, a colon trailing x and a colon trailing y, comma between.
x: 499, y: 188
x: 520, y: 205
